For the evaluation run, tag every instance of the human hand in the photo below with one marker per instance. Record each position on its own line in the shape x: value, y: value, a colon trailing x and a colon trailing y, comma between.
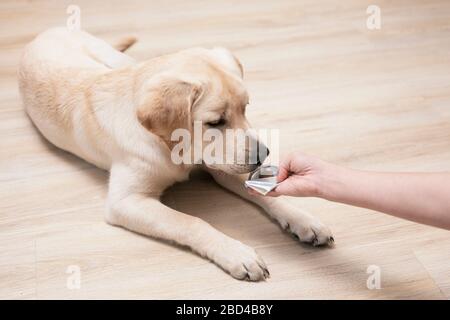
x: 301, y: 176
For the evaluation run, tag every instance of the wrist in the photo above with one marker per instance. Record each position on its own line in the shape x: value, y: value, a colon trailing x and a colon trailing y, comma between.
x: 332, y: 182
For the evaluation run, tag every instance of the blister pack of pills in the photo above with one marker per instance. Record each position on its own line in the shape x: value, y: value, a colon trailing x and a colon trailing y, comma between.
x: 263, y: 180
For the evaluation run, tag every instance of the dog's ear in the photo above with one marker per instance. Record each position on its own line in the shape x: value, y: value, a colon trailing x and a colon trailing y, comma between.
x: 167, y: 105
x: 229, y: 60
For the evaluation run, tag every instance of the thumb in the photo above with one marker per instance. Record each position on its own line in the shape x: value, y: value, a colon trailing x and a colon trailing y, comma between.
x: 281, y: 189
x: 291, y: 187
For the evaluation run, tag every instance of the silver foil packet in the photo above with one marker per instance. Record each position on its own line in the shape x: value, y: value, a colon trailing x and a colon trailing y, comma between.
x: 263, y: 180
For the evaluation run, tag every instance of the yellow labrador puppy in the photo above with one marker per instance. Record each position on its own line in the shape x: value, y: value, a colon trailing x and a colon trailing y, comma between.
x: 94, y: 101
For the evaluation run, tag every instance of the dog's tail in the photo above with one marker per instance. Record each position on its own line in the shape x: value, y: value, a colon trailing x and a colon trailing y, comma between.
x: 124, y: 43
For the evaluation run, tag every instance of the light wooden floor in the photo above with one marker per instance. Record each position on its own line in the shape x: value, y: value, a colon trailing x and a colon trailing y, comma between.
x: 366, y: 99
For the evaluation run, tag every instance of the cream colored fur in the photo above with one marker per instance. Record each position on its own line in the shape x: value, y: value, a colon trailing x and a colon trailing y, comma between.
x: 94, y: 101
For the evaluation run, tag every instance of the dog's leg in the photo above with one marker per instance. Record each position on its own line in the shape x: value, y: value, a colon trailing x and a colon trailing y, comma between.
x: 300, y: 223
x: 130, y: 206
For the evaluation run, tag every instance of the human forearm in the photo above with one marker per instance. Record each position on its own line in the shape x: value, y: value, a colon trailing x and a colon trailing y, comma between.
x: 421, y: 197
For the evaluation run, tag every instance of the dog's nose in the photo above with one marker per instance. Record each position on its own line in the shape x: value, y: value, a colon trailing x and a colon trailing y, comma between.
x: 263, y: 153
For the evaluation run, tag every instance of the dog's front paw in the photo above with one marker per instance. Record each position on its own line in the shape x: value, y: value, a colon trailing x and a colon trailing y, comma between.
x: 310, y: 231
x: 241, y: 261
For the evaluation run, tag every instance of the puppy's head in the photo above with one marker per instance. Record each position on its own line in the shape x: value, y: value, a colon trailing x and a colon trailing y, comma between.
x: 203, y: 88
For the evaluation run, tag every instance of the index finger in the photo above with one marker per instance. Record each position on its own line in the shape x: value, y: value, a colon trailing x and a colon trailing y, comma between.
x: 284, y: 169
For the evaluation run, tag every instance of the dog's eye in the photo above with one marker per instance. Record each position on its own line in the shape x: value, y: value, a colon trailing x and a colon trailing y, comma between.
x: 217, y: 123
